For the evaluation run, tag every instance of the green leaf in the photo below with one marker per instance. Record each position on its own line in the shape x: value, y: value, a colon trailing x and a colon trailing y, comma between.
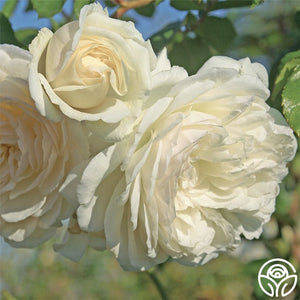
x: 209, y: 5
x: 78, y: 4
x: 25, y: 36
x: 9, y: 7
x: 146, y: 10
x: 157, y: 2
x: 190, y: 21
x: 256, y: 2
x: 7, y: 35
x: 291, y: 100
x: 297, y: 19
x: 190, y: 53
x: 229, y: 4
x: 218, y: 32
x: 164, y: 36
x: 288, y: 63
x: 46, y: 8
x: 186, y: 4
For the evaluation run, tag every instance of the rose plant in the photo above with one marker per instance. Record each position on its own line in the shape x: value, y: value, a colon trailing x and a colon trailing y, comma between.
x: 168, y: 166
x: 100, y: 133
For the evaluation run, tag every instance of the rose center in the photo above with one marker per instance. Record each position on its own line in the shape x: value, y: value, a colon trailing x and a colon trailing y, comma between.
x: 94, y: 68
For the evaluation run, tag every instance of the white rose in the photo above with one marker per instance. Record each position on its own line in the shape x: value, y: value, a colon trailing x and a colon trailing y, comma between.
x: 97, y: 68
x: 35, y: 156
x: 202, y: 168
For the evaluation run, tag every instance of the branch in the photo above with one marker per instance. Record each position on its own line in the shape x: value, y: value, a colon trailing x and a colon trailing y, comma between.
x: 230, y: 4
x: 133, y: 3
x: 120, y: 12
x: 127, y: 5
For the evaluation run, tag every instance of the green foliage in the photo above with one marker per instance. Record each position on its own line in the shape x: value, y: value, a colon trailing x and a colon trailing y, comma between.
x: 229, y: 4
x: 190, y: 53
x: 25, y: 36
x: 291, y: 100
x: 6, y: 295
x: 157, y: 2
x: 297, y: 19
x: 287, y: 84
x: 147, y: 10
x: 7, y: 35
x: 256, y: 2
x: 193, y: 41
x: 285, y: 70
x: 211, y: 5
x: 190, y: 43
x: 252, y: 268
x: 165, y: 36
x: 78, y: 4
x: 9, y: 7
x: 283, y: 203
x: 29, y: 6
x: 109, y: 3
x: 46, y: 275
x: 47, y: 9
x: 186, y: 5
x: 217, y: 32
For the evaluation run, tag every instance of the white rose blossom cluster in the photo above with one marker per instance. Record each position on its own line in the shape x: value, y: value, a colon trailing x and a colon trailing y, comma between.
x: 141, y: 158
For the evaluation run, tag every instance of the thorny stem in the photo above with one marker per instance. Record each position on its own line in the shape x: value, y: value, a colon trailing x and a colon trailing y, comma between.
x: 157, y: 284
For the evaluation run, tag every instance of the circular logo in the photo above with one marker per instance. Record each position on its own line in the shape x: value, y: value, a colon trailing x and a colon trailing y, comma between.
x: 277, y: 277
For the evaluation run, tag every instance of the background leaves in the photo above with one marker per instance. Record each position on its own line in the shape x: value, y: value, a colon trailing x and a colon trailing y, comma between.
x: 7, y: 34
x: 266, y: 32
x: 291, y: 100
x: 47, y: 8
x: 217, y: 32
x: 287, y: 88
x: 9, y: 7
x: 78, y: 4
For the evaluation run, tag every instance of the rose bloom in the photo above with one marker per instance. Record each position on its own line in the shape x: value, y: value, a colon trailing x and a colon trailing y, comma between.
x: 201, y: 169
x: 35, y: 156
x: 97, y: 68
